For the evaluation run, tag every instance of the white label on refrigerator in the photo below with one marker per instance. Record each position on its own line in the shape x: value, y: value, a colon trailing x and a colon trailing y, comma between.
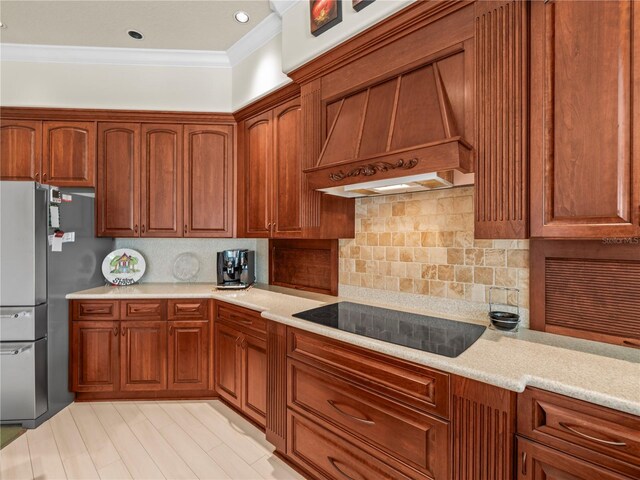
x: 54, y: 216
x: 56, y: 244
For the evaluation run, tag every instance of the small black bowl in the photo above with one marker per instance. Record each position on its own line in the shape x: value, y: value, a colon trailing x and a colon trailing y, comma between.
x: 504, y: 320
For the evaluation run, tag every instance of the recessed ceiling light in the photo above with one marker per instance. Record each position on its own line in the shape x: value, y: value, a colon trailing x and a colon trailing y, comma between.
x: 3, y: 25
x: 135, y: 34
x: 241, y: 16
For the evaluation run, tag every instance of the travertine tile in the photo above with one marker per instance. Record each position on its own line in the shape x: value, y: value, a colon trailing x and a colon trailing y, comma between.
x: 446, y: 273
x: 463, y: 274
x: 518, y: 258
x: 429, y: 271
x: 474, y: 256
x: 483, y: 275
x: 495, y: 257
x: 455, y: 256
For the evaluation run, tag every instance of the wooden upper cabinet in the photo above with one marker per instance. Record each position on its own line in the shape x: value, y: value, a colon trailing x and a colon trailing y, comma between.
x: 69, y: 154
x: 257, y: 163
x: 208, y: 180
x: 161, y: 206
x: 287, y: 170
x: 585, y: 110
x: 20, y: 149
x: 118, y: 186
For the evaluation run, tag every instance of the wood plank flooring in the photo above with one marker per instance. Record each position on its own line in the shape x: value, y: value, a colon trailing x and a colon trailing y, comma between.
x: 144, y: 440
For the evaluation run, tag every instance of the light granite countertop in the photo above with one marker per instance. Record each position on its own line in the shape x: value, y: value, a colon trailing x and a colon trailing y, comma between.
x: 600, y: 373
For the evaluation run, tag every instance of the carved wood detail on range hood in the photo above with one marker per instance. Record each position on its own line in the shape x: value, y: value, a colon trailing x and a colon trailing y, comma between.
x: 403, y: 125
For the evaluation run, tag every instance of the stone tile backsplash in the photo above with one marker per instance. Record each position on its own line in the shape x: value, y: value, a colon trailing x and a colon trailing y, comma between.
x: 422, y: 243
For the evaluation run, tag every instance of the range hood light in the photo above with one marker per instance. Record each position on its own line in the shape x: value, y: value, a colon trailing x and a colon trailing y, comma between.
x: 388, y: 188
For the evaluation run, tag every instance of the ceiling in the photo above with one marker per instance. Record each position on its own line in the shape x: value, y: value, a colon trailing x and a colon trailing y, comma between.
x: 174, y: 24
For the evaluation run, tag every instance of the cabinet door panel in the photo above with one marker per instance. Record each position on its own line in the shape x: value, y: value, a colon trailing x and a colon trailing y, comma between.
x: 254, y: 379
x: 188, y: 355
x: 118, y: 185
x: 536, y: 462
x: 208, y: 181
x: 258, y: 145
x: 69, y: 154
x: 94, y: 356
x: 20, y: 149
x: 161, y: 181
x: 228, y: 364
x: 143, y: 363
x: 287, y: 170
x: 585, y: 166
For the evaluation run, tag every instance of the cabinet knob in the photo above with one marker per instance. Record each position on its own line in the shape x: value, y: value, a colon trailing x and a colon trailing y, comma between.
x: 44, y: 177
x: 124, y: 329
x: 143, y: 228
x: 135, y: 228
x: 185, y: 229
x: 170, y: 329
x: 37, y: 176
x: 115, y: 331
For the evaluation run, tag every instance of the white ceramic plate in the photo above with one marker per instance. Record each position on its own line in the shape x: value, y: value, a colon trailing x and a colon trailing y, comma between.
x: 186, y: 267
x: 123, y: 266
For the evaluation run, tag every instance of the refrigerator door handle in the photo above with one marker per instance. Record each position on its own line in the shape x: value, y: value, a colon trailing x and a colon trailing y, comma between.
x: 17, y: 315
x: 15, y: 350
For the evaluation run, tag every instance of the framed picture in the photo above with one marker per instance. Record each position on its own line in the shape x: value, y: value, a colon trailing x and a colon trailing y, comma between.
x: 360, y: 4
x: 324, y: 14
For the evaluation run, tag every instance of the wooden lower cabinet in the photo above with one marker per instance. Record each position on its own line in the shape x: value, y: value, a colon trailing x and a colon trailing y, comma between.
x: 228, y: 363
x: 188, y: 355
x: 95, y: 364
x: 143, y: 355
x: 241, y: 371
x: 254, y: 378
x: 537, y: 462
x: 128, y: 349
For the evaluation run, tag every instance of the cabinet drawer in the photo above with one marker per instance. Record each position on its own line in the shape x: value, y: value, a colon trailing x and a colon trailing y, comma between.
x: 595, y: 433
x: 95, y: 310
x: 248, y: 321
x: 188, y: 309
x: 328, y: 456
x: 142, y: 309
x: 400, y: 431
x: 415, y: 385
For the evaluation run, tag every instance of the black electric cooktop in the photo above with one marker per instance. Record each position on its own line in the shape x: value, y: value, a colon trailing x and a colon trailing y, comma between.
x: 430, y: 334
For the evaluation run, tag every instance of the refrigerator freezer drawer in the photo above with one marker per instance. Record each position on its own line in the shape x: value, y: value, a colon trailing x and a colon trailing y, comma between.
x: 21, y: 324
x: 23, y: 380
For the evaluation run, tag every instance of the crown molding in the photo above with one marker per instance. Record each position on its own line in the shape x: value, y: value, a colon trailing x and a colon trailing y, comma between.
x: 281, y: 6
x: 15, y: 52
x: 255, y: 38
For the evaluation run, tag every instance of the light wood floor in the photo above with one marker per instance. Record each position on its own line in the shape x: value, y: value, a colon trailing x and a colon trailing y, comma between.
x: 146, y: 440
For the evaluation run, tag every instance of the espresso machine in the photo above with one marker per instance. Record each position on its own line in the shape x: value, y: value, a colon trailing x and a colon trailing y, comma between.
x: 236, y: 269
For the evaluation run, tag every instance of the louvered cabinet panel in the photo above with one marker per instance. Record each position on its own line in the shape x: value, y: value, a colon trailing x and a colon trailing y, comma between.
x: 587, y: 289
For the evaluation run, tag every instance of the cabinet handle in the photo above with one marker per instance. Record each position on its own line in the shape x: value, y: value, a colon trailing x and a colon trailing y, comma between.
x: 631, y: 343
x: 188, y: 308
x: 239, y: 341
x: 115, y: 331
x: 37, y: 176
x: 135, y: 228
x: 142, y: 310
x: 170, y: 329
x: 572, y: 429
x: 524, y: 463
x: 143, y: 228
x: 366, y: 419
x: 86, y: 310
x: 124, y: 329
x: 185, y: 229
x: 44, y: 177
x: 333, y: 462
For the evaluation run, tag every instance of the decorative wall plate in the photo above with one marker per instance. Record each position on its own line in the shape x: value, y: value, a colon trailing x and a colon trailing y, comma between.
x: 123, y: 266
x: 186, y: 267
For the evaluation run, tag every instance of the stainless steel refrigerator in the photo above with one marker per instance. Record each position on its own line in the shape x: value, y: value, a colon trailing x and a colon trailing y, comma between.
x: 34, y: 280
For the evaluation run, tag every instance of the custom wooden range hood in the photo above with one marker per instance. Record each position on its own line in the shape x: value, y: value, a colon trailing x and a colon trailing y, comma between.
x: 398, y: 134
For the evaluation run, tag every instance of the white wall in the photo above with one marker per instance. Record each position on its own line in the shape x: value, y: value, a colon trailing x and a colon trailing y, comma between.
x: 29, y: 84
x: 299, y: 46
x: 258, y: 74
